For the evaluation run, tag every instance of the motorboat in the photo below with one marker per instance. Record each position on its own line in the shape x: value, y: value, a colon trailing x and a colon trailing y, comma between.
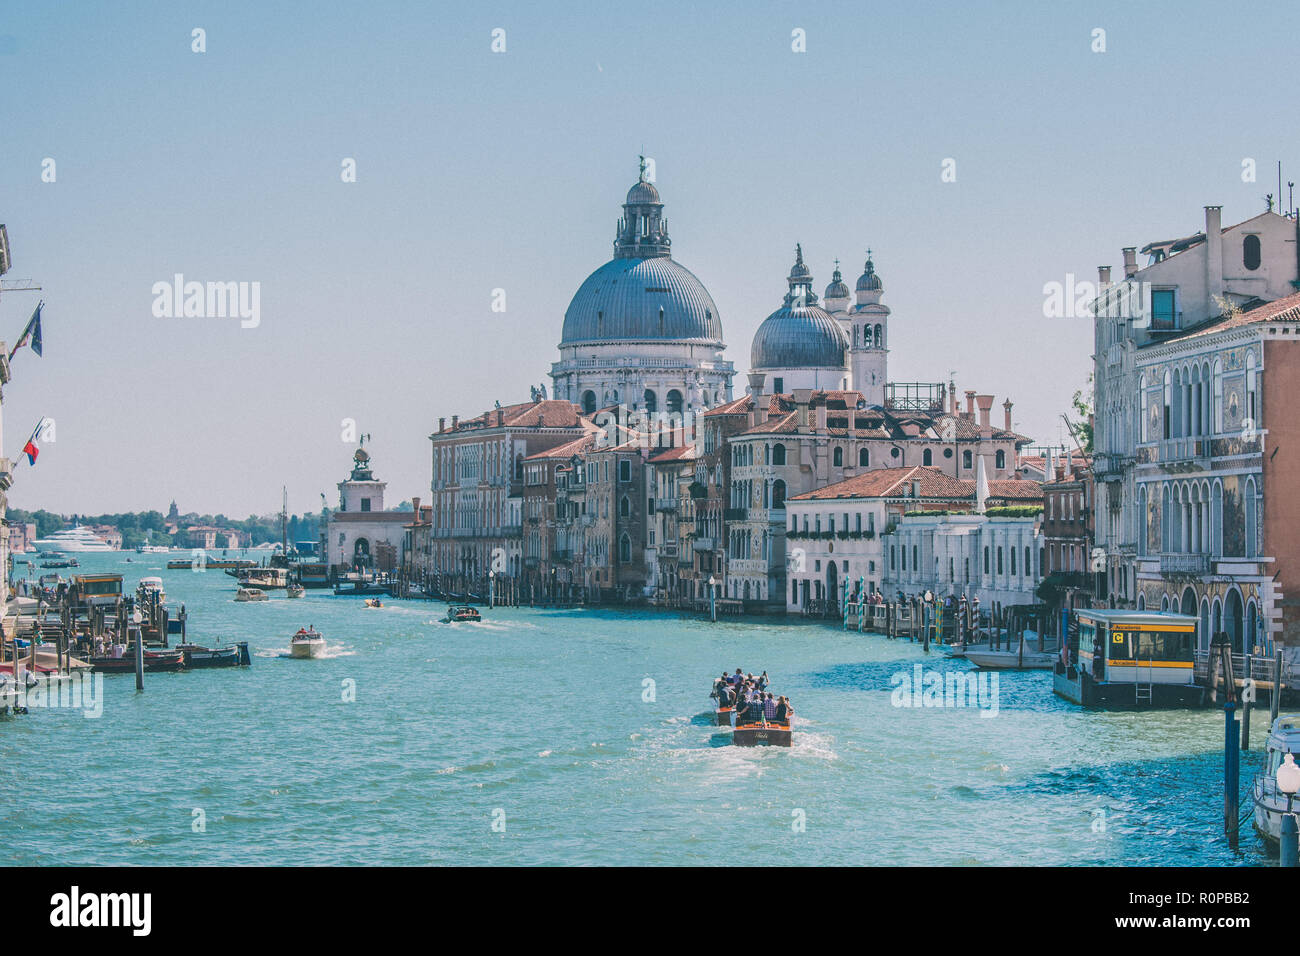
x: 296, y: 591
x: 1012, y: 660
x: 198, y: 657
x: 457, y: 613
x: 75, y: 539
x: 373, y: 602
x: 767, y: 733
x: 307, y: 643
x: 1270, y: 803
x: 251, y: 594
x: 148, y: 588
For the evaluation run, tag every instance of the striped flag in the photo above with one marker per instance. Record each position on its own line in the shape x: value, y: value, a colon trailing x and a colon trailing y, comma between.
x: 32, y: 333
x: 30, y: 449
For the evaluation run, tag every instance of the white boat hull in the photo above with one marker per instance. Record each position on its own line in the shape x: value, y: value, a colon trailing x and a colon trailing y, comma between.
x: 307, y: 649
x: 1011, y: 660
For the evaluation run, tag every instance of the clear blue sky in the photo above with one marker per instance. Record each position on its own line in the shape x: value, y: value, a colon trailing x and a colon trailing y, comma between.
x: 479, y: 170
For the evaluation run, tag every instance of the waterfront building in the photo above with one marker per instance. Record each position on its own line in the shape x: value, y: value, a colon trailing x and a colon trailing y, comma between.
x: 615, y: 497
x: 1217, y: 452
x: 843, y: 532
x: 828, y: 436
x: 361, y: 535
x: 1188, y: 283
x: 477, y: 485
x: 1069, y: 577
x: 671, y: 511
x: 642, y: 331
x: 552, y: 519
x: 21, y: 536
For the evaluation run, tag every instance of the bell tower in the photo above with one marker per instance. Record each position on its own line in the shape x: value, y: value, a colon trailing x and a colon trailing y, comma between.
x: 869, y: 353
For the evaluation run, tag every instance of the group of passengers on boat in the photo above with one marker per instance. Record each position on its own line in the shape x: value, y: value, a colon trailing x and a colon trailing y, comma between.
x: 752, y: 702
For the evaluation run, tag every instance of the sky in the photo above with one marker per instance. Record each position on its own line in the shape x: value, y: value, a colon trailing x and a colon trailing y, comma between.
x: 479, y: 170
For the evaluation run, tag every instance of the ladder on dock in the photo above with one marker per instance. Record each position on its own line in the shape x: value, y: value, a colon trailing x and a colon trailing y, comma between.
x: 1143, y: 692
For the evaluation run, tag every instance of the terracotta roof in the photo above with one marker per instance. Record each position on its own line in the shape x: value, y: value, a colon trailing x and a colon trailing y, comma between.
x: 741, y: 406
x: 568, y: 449
x: 680, y: 453
x: 931, y: 483
x: 1285, y: 309
x: 549, y: 413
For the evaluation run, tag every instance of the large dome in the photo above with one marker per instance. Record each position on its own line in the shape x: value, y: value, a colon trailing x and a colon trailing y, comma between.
x: 642, y: 299
x: 799, y: 337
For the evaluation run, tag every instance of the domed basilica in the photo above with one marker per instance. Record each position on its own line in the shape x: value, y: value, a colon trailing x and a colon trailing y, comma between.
x: 642, y: 330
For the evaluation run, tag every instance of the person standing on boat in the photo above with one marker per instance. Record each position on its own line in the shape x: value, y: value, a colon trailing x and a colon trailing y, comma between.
x: 762, y: 681
x: 781, y: 713
x: 769, y: 707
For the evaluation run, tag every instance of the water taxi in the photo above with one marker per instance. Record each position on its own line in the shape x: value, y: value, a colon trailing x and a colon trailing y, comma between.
x: 461, y: 612
x: 251, y: 594
x: 767, y: 733
x: 1129, y: 659
x: 296, y: 591
x: 1270, y: 803
x: 307, y: 643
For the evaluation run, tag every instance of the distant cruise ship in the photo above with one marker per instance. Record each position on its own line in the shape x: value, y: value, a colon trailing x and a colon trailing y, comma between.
x: 71, y: 540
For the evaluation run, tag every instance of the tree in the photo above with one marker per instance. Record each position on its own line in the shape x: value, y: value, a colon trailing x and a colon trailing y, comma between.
x: 1081, y: 428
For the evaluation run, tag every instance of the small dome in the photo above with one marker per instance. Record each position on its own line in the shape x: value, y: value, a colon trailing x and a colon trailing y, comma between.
x: 799, y: 337
x: 642, y: 193
x: 869, y: 281
x: 837, y: 289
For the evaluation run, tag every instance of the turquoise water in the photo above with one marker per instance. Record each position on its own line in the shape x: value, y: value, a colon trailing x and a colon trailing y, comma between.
x: 538, y: 721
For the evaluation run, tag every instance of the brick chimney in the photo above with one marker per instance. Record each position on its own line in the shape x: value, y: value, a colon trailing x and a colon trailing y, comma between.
x: 415, y: 506
x: 454, y: 420
x: 985, y: 403
x: 1103, y: 278
x: 501, y: 417
x: 1213, y: 257
x: 1007, y: 406
x: 802, y: 396
x: 758, y: 408
x: 1130, y: 261
x: 970, y: 404
x: 442, y: 425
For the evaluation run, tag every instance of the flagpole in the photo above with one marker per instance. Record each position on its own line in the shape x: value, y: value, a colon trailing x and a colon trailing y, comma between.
x: 35, y: 431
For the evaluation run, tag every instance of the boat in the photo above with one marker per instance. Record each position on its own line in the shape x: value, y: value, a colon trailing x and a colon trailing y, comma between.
x: 1012, y: 660
x: 296, y: 591
x: 154, y: 661
x: 69, y: 563
x: 1270, y: 803
x: 148, y: 588
x: 766, y: 733
x: 313, y: 574
x: 96, y: 590
x: 307, y: 643
x: 198, y: 657
x: 373, y: 602
x: 74, y: 539
x: 265, y: 579
x: 1129, y: 659
x: 722, y: 716
x: 251, y: 594
x: 461, y: 612
x: 217, y: 564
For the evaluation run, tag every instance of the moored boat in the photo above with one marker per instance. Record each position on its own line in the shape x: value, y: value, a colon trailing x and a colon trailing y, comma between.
x: 1012, y: 660
x: 307, y: 643
x: 198, y: 657
x: 1271, y: 804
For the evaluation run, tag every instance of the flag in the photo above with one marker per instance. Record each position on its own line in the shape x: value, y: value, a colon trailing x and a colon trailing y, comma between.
x: 30, y: 449
x: 32, y: 332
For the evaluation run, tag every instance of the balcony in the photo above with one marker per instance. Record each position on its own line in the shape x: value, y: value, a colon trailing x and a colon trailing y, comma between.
x: 702, y: 544
x: 665, y: 504
x: 668, y: 550
x: 564, y: 555
x: 1184, y: 564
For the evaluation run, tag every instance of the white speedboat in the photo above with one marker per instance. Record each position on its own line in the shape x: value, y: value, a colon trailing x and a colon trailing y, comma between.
x: 76, y: 539
x: 296, y: 591
x: 1011, y: 660
x: 1271, y: 803
x: 307, y: 643
x: 148, y: 587
x: 251, y: 594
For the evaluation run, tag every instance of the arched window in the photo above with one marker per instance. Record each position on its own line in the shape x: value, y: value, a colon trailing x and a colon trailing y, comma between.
x: 986, y: 559
x: 778, y: 494
x: 1142, y: 521
x: 864, y: 458
x: 1000, y: 460
x: 926, y: 457
x: 624, y: 549
x: 778, y: 454
x: 1250, y: 256
x: 674, y: 402
x: 589, y: 402
x: 651, y: 401
x: 966, y: 459
x: 880, y: 337
x: 1251, y: 529
x: 838, y: 457
x: 1252, y: 403
x: 1168, y: 398
x: 625, y: 507
x: 1217, y: 418
x: 999, y: 559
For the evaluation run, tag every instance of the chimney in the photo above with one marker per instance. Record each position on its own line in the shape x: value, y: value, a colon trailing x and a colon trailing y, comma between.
x: 1103, y: 278
x: 952, y: 397
x: 454, y: 420
x: 415, y: 506
x: 759, y: 402
x: 802, y: 396
x: 1007, y: 405
x: 1130, y: 261
x: 442, y: 425
x: 821, y: 416
x: 1213, y: 257
x: 501, y: 417
x: 970, y: 404
x: 986, y: 407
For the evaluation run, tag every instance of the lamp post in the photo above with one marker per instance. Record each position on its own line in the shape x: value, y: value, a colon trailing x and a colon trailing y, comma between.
x: 713, y: 599
x: 136, y: 619
x: 1288, y: 781
x: 492, y: 592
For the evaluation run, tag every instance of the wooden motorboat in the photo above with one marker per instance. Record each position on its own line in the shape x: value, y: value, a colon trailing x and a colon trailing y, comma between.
x: 251, y: 594
x: 461, y: 612
x: 307, y: 643
x: 296, y: 591
x: 198, y: 657
x: 723, y: 716
x: 764, y: 734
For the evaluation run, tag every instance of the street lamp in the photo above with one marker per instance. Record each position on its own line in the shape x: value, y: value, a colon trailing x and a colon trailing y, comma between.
x: 713, y: 599
x: 1288, y: 781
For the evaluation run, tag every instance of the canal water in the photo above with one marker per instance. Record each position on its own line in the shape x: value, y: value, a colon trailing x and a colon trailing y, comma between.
x: 582, y: 737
